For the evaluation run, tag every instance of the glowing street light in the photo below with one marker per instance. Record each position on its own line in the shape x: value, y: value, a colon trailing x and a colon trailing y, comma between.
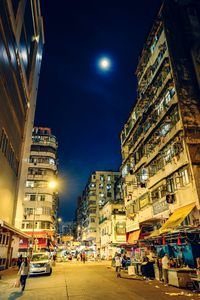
x: 52, y: 184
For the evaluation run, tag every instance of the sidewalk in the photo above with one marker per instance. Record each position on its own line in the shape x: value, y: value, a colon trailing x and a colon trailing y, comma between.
x: 7, y: 279
x: 8, y: 273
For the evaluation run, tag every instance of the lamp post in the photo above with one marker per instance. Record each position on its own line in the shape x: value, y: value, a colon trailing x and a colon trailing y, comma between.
x: 59, y: 231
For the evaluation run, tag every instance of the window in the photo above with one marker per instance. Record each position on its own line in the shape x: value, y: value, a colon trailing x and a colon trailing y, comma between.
x: 109, y: 194
x: 101, y: 185
x: 92, y: 220
x: 28, y: 211
x: 51, y: 161
x: 45, y: 225
x: 170, y: 185
x: 4, y: 142
x: 168, y: 155
x: 184, y: 177
x: 8, y: 151
x: 109, y: 178
x: 29, y: 225
x: 32, y: 197
x: 42, y: 225
x: 29, y: 184
x: 101, y: 177
x: 41, y: 197
x: 155, y: 195
x: 109, y: 186
x: 46, y: 211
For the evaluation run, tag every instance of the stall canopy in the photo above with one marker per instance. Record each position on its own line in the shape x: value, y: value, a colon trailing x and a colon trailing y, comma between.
x: 153, y: 234
x: 177, y: 218
x: 133, y: 236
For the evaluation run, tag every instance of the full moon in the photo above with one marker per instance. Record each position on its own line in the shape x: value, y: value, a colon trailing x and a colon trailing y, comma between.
x: 104, y: 63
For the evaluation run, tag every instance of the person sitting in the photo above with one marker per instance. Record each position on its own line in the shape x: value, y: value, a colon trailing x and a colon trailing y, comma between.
x: 124, y: 260
x: 172, y: 263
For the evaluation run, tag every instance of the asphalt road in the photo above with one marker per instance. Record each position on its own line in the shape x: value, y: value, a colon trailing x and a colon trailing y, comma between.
x: 90, y: 281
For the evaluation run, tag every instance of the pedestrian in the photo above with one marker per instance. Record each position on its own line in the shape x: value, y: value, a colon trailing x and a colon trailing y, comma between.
x: 159, y: 266
x: 83, y: 257
x: 19, y: 261
x: 165, y: 267
x: 23, y: 272
x: 124, y: 261
x: 54, y: 259
x: 118, y: 263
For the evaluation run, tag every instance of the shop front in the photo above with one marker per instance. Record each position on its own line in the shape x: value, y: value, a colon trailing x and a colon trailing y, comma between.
x: 10, y: 238
x: 38, y: 241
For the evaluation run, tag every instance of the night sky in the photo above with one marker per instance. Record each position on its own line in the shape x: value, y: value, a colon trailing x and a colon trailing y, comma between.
x: 85, y: 107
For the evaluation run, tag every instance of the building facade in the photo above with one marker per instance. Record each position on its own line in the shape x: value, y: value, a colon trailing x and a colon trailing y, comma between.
x: 21, y: 39
x: 112, y: 228
x: 41, y: 198
x: 160, y: 141
x: 98, y: 191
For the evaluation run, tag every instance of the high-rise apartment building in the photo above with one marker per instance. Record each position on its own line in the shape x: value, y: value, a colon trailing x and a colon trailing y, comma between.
x: 41, y: 198
x: 98, y: 191
x: 21, y: 40
x: 160, y: 141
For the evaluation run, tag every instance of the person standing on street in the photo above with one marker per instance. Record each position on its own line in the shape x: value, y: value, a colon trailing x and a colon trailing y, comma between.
x: 23, y: 272
x: 118, y: 263
x: 165, y: 267
x: 83, y: 257
x: 19, y: 261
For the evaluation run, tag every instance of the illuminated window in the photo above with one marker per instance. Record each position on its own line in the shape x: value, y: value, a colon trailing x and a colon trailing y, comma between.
x: 170, y: 184
x: 101, y: 177
x: 184, y: 177
x: 109, y: 186
x: 29, y: 184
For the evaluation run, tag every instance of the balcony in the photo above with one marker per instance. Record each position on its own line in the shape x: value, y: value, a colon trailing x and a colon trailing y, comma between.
x: 43, y: 154
x: 45, y: 165
x: 52, y: 144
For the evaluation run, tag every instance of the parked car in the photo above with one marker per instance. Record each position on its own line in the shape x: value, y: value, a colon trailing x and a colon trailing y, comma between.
x: 40, y: 264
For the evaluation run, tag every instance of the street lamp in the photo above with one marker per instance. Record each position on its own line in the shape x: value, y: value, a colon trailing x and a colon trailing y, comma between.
x: 52, y: 184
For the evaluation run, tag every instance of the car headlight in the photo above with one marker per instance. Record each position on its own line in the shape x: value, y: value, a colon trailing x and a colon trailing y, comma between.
x: 46, y: 265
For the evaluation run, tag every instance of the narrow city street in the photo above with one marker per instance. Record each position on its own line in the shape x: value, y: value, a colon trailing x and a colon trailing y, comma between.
x: 89, y: 281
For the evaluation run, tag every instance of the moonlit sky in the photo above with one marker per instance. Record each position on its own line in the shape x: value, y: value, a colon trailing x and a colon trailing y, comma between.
x: 85, y: 106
